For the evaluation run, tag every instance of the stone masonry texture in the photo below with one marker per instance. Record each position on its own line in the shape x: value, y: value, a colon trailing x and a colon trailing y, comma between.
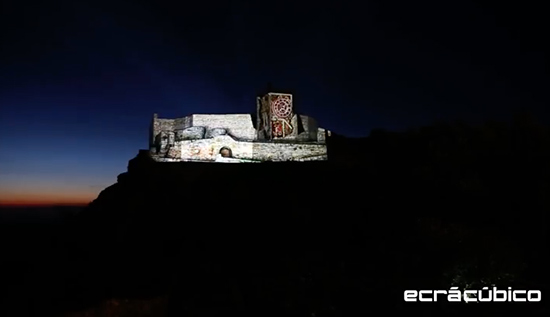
x: 200, y: 137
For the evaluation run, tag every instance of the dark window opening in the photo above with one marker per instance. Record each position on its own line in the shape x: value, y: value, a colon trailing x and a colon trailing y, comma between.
x: 226, y: 152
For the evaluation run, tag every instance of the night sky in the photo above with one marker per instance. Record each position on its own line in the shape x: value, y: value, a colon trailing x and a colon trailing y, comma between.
x: 80, y: 80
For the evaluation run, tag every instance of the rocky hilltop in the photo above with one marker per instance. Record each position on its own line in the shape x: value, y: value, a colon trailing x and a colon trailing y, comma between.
x: 425, y: 209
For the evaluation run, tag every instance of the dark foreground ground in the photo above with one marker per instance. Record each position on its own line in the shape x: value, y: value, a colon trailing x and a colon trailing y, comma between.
x: 301, y: 239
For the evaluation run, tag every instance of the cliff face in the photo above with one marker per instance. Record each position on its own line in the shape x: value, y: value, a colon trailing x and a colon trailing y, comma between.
x: 188, y: 225
x: 226, y: 195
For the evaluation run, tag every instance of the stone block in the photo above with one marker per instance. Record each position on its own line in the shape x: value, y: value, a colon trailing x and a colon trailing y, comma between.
x: 211, y: 133
x: 192, y: 133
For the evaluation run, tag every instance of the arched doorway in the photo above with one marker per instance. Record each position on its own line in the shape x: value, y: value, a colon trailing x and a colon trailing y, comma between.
x: 226, y: 152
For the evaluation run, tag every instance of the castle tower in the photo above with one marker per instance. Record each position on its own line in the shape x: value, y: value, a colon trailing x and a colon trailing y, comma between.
x: 274, y: 114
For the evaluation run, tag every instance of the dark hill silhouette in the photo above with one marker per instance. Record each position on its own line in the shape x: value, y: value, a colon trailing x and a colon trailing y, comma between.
x: 443, y: 205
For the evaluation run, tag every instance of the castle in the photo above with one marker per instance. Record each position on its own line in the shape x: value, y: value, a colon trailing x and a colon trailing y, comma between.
x: 275, y: 134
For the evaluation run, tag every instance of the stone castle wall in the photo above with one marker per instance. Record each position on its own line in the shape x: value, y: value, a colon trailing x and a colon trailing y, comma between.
x: 183, y: 123
x: 209, y: 149
x: 310, y: 127
x: 279, y: 135
x: 288, y: 151
x: 238, y: 125
x: 159, y: 125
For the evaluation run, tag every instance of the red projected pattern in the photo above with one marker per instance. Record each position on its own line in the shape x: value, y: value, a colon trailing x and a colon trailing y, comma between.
x: 281, y: 108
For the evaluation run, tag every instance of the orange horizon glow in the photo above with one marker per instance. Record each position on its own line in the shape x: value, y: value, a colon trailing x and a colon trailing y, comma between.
x: 46, y: 199
x: 45, y: 195
x: 21, y: 204
x: 44, y: 203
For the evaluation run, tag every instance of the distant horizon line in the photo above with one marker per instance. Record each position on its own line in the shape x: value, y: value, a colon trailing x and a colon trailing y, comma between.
x: 41, y: 205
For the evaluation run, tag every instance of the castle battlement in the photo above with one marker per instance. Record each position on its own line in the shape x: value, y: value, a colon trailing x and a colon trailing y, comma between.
x: 275, y: 134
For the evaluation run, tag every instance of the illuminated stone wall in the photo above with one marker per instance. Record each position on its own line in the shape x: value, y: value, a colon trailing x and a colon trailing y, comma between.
x: 239, y: 126
x: 209, y: 150
x: 279, y: 135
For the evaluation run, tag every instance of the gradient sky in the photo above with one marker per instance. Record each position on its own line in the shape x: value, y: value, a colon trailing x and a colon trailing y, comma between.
x: 80, y: 80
